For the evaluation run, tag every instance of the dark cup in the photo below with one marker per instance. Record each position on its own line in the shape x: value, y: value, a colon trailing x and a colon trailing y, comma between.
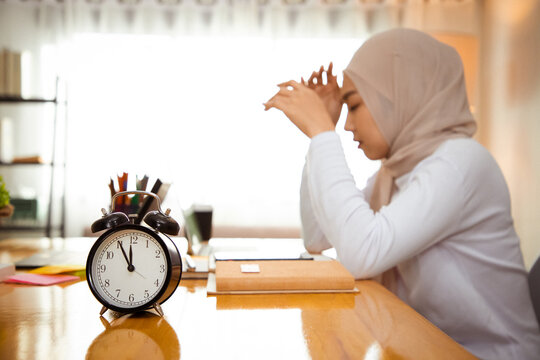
x: 203, y: 215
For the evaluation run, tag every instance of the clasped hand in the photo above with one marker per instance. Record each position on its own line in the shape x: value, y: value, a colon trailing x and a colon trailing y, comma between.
x: 313, y: 106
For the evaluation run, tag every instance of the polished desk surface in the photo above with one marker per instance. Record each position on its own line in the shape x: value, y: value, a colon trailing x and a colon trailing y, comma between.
x: 63, y: 322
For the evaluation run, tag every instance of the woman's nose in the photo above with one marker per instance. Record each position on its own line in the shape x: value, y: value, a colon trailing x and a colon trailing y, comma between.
x: 348, y: 124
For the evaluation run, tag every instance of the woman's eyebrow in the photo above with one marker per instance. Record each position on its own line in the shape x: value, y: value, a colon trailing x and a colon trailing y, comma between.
x: 345, y: 96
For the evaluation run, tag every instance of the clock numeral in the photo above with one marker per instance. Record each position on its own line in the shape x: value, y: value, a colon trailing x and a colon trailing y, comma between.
x: 107, y: 283
x: 156, y: 282
x: 110, y: 254
x: 161, y: 268
x: 102, y: 268
x: 147, y: 244
x: 117, y: 293
x: 131, y: 297
x: 118, y: 244
x: 133, y: 239
x: 146, y: 294
x: 157, y: 254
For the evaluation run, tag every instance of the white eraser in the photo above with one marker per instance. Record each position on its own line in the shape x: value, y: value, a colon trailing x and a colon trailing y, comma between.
x: 250, y: 268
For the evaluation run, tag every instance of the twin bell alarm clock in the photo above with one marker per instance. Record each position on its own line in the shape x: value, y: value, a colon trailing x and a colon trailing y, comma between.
x: 134, y: 267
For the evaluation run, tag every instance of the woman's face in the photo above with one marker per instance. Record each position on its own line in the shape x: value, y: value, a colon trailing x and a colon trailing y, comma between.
x: 361, y: 123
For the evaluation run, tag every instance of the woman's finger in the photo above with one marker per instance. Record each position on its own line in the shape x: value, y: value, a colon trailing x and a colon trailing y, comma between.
x: 315, y: 78
x: 310, y: 80
x: 270, y: 104
x: 278, y: 101
x: 319, y: 76
x: 285, y: 91
x: 295, y: 85
x: 272, y: 99
x: 330, y: 67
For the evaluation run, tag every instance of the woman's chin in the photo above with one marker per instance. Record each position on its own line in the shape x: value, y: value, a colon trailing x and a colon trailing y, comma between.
x: 370, y: 155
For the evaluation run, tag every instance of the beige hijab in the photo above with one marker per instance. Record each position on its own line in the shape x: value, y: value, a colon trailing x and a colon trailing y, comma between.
x: 414, y: 87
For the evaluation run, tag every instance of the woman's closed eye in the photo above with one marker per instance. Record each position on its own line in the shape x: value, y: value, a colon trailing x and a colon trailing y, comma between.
x: 354, y: 107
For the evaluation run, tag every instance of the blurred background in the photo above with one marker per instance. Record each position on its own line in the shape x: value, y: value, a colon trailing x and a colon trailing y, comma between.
x: 173, y: 89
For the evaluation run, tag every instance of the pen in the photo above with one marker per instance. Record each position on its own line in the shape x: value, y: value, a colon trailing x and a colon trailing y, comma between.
x: 111, y: 187
x: 113, y: 191
x: 135, y: 198
x: 144, y: 182
x: 125, y: 177
x: 122, y: 184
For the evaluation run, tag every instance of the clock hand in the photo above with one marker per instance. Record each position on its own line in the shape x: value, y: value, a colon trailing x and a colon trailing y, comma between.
x: 125, y: 256
x: 138, y: 273
x: 130, y: 266
x: 123, y: 252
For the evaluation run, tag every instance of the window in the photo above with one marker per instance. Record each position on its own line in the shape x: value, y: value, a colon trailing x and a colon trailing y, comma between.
x: 189, y: 111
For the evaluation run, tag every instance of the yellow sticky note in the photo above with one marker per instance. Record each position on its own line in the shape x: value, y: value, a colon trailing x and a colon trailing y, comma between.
x: 56, y: 269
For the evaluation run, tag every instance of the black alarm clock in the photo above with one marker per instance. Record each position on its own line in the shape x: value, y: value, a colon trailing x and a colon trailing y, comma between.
x: 134, y: 267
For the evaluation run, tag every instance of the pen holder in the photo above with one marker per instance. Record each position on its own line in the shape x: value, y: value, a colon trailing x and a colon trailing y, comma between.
x: 128, y: 205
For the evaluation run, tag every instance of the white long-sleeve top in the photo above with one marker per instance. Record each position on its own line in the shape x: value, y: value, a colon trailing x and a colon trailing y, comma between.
x: 449, y: 231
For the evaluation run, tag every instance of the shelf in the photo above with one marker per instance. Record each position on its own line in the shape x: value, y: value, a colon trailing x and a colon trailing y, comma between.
x: 56, y: 201
x: 14, y: 99
x: 40, y: 228
x: 23, y: 165
x: 26, y: 164
x: 23, y: 227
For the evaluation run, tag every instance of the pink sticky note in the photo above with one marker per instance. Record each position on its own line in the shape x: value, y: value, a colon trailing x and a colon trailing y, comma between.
x: 35, y: 279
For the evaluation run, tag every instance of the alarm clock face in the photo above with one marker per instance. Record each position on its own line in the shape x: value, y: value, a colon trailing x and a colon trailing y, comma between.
x: 129, y: 268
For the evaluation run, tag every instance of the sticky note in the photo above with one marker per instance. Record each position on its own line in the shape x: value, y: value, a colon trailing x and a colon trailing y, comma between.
x: 6, y: 270
x: 36, y: 279
x: 250, y: 268
x: 56, y: 269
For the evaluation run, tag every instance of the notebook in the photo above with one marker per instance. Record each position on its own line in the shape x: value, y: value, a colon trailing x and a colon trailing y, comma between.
x: 280, y: 276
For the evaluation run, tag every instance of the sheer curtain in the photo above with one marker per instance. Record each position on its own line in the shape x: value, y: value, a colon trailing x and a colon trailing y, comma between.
x: 174, y: 89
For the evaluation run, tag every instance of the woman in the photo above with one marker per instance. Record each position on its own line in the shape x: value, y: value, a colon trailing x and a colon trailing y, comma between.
x: 434, y: 224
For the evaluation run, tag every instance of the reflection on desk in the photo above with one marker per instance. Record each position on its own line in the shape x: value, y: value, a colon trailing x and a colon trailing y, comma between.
x: 135, y: 336
x: 63, y: 322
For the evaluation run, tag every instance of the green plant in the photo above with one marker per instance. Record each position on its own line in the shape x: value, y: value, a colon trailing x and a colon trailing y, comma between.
x: 4, y: 194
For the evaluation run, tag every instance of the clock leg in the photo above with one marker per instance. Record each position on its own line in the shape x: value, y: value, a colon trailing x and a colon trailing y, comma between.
x: 103, y: 309
x: 157, y: 307
x: 105, y: 322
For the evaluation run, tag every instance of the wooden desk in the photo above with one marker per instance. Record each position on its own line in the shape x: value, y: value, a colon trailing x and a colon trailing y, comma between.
x: 63, y: 322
